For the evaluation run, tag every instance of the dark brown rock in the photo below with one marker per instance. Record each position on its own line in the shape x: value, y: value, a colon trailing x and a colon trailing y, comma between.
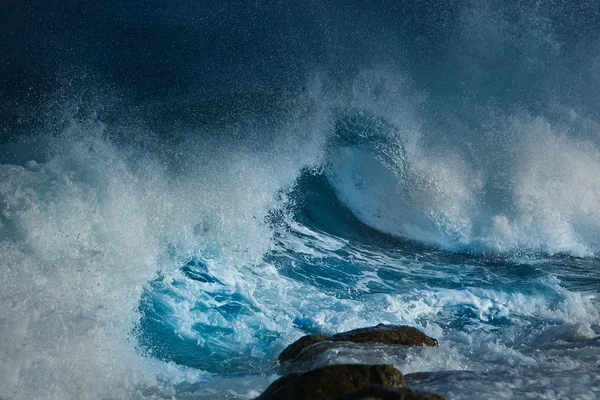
x: 332, y: 382
x: 383, y: 334
x: 295, y: 348
x: 312, y: 352
x: 328, y: 353
x: 380, y: 392
x: 387, y: 334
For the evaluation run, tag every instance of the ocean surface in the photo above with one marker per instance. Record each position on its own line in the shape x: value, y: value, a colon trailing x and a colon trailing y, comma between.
x: 188, y: 187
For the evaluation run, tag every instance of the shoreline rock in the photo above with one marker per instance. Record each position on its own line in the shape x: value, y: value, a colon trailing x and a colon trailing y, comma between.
x: 347, y: 381
x: 397, y: 335
x: 387, y: 334
x: 292, y: 351
x: 381, y: 392
x: 332, y: 382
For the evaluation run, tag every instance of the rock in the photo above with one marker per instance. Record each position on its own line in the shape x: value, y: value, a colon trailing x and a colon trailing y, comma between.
x: 381, y: 392
x: 332, y: 382
x: 328, y: 353
x: 387, y: 334
x: 295, y: 348
x: 312, y: 352
x: 383, y: 334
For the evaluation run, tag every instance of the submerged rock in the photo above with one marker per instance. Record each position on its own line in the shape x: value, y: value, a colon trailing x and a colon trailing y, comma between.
x: 332, y: 382
x: 306, y: 347
x: 380, y: 392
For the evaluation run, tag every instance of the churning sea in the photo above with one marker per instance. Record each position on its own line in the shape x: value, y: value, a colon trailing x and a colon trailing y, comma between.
x: 188, y: 187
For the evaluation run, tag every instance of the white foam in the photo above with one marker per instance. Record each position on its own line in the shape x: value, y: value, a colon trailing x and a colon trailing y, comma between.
x: 519, y: 183
x: 83, y: 235
x: 32, y: 166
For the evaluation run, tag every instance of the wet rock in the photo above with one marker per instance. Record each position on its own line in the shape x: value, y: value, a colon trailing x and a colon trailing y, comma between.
x: 332, y: 382
x: 295, y: 348
x: 382, y: 334
x: 329, y: 353
x: 387, y: 334
x: 381, y: 392
x: 312, y: 352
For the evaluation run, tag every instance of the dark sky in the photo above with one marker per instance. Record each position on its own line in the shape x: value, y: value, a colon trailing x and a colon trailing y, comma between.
x: 157, y: 50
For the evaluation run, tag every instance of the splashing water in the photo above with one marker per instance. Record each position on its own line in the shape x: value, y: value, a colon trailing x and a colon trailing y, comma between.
x: 434, y: 165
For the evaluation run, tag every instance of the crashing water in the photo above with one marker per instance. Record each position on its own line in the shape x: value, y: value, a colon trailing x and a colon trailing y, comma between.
x: 174, y: 216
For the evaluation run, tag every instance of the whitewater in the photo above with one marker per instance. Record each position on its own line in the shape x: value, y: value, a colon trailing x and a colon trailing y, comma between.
x: 186, y: 189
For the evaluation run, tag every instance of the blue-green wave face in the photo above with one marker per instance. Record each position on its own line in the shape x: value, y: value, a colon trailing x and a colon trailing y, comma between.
x: 186, y: 189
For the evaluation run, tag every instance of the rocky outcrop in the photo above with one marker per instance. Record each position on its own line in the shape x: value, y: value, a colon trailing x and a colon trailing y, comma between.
x: 332, y: 382
x: 382, y: 334
x: 347, y: 381
x: 380, y: 392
